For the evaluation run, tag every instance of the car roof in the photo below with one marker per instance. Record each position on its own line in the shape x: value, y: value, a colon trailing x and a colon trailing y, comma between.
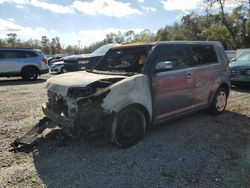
x: 190, y: 42
x: 137, y: 44
x: 145, y: 44
x: 6, y: 48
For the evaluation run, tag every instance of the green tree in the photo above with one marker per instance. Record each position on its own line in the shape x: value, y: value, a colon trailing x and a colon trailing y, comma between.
x: 53, y: 46
x: 58, y: 45
x: 12, y: 38
x: 144, y: 36
x: 162, y: 34
x: 3, y: 43
x: 129, y: 36
x: 45, y: 44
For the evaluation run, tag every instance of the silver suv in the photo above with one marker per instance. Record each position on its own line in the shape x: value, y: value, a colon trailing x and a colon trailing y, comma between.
x: 25, y: 62
x: 138, y: 85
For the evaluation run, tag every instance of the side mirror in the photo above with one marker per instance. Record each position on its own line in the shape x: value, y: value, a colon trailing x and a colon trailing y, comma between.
x: 234, y: 59
x: 164, y: 66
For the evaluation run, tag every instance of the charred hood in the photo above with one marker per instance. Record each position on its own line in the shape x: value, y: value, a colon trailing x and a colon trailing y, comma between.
x: 61, y: 83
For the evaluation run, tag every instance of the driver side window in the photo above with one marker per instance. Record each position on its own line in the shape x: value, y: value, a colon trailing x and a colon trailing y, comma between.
x: 177, y: 54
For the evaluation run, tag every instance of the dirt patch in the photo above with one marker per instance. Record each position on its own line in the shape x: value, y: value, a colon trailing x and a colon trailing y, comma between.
x: 199, y: 150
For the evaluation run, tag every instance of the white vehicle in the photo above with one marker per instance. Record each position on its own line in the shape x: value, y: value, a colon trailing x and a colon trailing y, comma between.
x: 25, y: 62
x: 57, y: 67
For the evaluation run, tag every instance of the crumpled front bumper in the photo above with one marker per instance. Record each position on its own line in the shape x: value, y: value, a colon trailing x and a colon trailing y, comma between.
x: 87, y: 122
x: 56, y: 118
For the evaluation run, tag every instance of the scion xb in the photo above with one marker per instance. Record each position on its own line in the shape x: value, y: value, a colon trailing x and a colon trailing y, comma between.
x: 136, y: 86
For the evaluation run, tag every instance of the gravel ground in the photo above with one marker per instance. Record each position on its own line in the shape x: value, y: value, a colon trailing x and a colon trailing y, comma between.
x: 199, y: 150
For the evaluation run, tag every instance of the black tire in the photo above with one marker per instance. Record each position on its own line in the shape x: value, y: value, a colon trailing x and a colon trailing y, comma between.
x: 30, y: 73
x: 63, y: 70
x: 219, y: 103
x: 126, y: 128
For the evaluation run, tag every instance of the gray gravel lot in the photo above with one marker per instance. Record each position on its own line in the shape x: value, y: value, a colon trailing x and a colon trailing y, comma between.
x: 199, y: 150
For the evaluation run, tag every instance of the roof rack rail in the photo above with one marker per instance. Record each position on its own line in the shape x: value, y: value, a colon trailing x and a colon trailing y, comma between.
x: 15, y: 48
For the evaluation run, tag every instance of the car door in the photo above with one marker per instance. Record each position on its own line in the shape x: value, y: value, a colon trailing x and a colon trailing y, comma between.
x: 206, y: 71
x: 11, y: 61
x: 172, y: 90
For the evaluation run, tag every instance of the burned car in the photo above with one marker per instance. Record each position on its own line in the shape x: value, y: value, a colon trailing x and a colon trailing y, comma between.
x: 138, y: 85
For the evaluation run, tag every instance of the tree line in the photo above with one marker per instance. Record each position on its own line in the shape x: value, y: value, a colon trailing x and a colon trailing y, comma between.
x: 231, y: 29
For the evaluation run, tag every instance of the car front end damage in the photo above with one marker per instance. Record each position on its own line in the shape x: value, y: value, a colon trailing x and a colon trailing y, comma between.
x: 80, y: 112
x: 81, y: 102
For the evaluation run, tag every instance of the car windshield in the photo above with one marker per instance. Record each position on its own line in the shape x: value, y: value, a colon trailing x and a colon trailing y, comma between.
x: 129, y: 59
x: 244, y: 57
x: 103, y: 49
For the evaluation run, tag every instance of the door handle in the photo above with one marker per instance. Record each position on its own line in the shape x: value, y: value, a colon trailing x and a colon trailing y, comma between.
x: 189, y: 75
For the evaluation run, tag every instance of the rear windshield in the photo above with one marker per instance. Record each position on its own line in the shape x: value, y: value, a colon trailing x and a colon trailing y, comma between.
x: 129, y: 59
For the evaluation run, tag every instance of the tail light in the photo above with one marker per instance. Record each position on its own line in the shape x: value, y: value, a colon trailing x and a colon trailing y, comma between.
x: 45, y: 61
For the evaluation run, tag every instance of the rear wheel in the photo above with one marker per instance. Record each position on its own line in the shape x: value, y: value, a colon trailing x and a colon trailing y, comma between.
x: 219, y: 102
x: 127, y: 128
x: 30, y: 73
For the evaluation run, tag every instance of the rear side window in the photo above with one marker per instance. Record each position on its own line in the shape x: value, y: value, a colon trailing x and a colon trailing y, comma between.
x: 204, y: 54
x: 222, y: 55
x: 178, y: 54
x: 10, y: 54
x: 30, y: 54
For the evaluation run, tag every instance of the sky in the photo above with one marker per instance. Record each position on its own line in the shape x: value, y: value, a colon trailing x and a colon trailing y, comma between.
x: 88, y: 20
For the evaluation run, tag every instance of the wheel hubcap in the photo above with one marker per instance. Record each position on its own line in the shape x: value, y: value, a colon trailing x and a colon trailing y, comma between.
x: 221, y: 101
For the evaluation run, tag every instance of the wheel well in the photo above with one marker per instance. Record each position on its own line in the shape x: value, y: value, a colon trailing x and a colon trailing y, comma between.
x: 226, y: 87
x: 142, y: 109
x: 29, y: 67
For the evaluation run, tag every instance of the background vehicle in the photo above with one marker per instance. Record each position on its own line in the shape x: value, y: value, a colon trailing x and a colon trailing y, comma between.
x: 239, y: 52
x: 231, y: 54
x: 25, y: 62
x: 57, y: 67
x: 240, y: 70
x: 83, y: 61
x: 55, y: 58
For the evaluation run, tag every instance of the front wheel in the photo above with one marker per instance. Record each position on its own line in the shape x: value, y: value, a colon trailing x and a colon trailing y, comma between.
x: 63, y: 70
x: 127, y: 128
x: 219, y: 102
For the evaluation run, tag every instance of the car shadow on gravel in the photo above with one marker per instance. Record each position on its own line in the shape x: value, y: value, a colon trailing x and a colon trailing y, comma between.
x: 20, y: 82
x: 242, y: 89
x: 198, y: 150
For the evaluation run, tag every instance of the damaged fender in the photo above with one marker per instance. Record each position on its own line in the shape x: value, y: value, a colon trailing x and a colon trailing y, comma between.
x: 132, y: 90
